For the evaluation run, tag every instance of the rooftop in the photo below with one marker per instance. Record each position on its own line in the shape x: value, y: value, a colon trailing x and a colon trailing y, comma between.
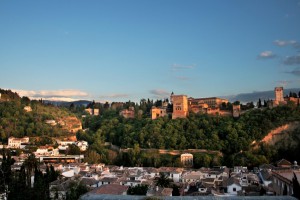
x: 133, y: 197
x: 113, y: 189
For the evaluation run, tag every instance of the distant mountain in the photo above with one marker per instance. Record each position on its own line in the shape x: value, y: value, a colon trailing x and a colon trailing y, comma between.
x: 254, y: 96
x: 66, y: 103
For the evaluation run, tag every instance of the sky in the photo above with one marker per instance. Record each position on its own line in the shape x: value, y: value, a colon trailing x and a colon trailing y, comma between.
x: 120, y: 50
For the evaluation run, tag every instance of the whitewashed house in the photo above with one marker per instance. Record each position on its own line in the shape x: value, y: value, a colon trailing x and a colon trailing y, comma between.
x: 233, y: 186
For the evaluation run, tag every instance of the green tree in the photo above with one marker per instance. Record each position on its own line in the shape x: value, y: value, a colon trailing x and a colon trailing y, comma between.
x: 296, y: 187
x: 259, y: 103
x: 30, y: 164
x: 76, y: 190
x: 92, y: 157
x: 73, y: 150
x: 5, y: 170
x: 137, y: 190
x: 163, y: 181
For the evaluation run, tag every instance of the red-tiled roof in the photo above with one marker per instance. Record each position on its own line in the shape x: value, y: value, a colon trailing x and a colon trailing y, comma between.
x: 111, y: 189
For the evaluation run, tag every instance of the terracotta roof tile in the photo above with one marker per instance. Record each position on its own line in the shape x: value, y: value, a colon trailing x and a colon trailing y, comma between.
x: 111, y: 189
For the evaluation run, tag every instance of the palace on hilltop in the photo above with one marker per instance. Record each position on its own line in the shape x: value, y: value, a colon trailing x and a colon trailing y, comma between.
x: 182, y: 105
x: 281, y: 100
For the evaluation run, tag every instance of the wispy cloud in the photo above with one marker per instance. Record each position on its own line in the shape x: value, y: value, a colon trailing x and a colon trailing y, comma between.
x: 295, y: 72
x: 114, y: 96
x: 159, y: 93
x: 52, y: 93
x: 282, y: 43
x: 266, y: 55
x: 292, y: 60
x: 176, y: 67
x: 283, y: 83
x: 55, y: 95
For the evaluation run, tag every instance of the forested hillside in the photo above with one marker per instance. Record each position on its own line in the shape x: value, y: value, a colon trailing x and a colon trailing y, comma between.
x: 231, y: 136
x: 15, y: 121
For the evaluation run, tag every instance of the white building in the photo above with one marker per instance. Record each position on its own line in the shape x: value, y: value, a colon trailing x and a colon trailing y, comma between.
x: 83, y: 145
x: 28, y: 108
x: 172, y: 173
x: 233, y: 186
x: 16, y: 142
x: 193, y: 176
x: 51, y: 122
x: 46, y: 151
x: 187, y: 159
x: 92, y: 111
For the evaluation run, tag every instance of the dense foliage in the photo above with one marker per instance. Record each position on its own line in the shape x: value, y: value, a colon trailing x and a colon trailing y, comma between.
x: 230, y: 136
x: 233, y: 137
x: 17, y: 184
x: 138, y: 190
x: 15, y: 121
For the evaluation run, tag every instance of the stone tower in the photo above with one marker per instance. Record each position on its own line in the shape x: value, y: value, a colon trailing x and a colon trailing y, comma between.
x: 180, y: 106
x: 279, y: 94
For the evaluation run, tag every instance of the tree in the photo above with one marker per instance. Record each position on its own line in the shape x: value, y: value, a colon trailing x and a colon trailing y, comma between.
x: 296, y: 187
x: 92, y: 157
x: 265, y: 103
x: 72, y: 106
x: 30, y: 164
x: 41, y: 185
x: 163, y: 181
x: 5, y: 170
x: 73, y: 150
x: 76, y: 190
x: 294, y: 94
x: 236, y: 103
x: 138, y: 190
x: 53, y: 175
x: 175, y: 191
x: 25, y: 100
x: 259, y: 103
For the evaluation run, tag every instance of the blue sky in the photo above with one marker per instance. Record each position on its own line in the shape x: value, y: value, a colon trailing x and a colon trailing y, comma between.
x: 115, y: 50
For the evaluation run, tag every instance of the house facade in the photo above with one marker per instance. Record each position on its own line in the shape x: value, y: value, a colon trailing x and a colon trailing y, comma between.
x: 16, y: 142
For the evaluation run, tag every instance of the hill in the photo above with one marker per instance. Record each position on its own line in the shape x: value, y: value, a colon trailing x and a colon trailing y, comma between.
x: 231, y: 136
x: 22, y: 117
x: 68, y: 103
x: 283, y: 142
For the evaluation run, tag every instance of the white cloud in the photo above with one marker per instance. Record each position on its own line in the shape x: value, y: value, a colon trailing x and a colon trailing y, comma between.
x: 283, y: 43
x: 63, y: 95
x: 266, y: 55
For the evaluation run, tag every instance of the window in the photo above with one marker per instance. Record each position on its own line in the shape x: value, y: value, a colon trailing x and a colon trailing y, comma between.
x: 234, y: 189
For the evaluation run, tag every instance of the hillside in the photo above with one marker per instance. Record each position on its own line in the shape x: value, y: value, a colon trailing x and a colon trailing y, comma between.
x: 233, y: 137
x: 281, y: 133
x: 21, y: 117
x: 282, y: 142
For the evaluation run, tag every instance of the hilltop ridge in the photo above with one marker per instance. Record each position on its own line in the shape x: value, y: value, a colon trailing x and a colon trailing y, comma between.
x: 22, y: 117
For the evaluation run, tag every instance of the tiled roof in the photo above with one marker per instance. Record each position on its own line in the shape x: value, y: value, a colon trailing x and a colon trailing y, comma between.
x: 88, y: 181
x: 231, y: 181
x: 111, y: 189
x: 109, y: 179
